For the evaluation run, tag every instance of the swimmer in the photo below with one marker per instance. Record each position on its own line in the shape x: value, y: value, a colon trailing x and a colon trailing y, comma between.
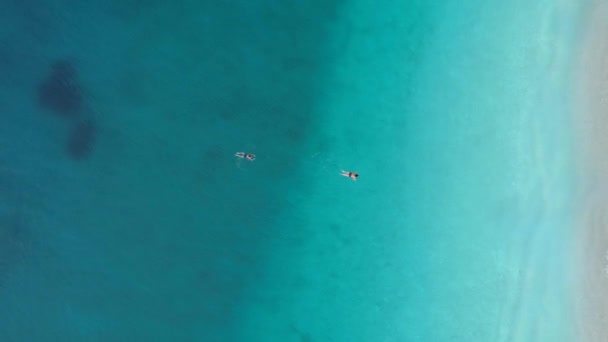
x: 247, y: 156
x: 351, y: 175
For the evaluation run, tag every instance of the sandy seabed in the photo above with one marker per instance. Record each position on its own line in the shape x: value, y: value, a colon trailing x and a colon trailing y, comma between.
x: 592, y: 218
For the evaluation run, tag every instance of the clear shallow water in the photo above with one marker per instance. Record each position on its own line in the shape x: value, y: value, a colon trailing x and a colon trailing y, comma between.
x: 457, y: 117
x: 453, y: 114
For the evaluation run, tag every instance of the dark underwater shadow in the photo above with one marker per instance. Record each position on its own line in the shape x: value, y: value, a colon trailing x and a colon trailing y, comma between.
x: 81, y: 139
x: 60, y: 92
x: 271, y: 47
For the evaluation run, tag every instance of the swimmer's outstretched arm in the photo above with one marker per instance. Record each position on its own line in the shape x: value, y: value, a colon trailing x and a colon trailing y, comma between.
x: 240, y: 154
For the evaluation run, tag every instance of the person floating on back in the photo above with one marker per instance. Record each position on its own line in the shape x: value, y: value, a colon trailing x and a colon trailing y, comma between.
x: 248, y: 156
x: 351, y: 175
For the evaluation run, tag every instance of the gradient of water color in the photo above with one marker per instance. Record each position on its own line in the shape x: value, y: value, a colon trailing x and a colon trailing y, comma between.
x: 454, y: 113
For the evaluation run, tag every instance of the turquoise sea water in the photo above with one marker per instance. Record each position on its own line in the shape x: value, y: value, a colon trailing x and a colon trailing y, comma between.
x: 454, y: 113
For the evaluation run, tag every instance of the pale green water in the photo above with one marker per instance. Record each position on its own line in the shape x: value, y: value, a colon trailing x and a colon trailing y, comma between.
x: 456, y: 115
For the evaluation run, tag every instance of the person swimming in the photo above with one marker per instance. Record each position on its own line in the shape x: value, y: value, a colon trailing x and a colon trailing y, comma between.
x: 351, y: 175
x: 248, y: 156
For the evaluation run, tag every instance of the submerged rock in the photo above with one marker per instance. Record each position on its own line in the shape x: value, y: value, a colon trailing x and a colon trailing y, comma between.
x: 81, y: 140
x: 60, y: 91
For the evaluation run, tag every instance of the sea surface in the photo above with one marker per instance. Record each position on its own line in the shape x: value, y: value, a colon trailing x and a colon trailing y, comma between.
x: 125, y: 216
